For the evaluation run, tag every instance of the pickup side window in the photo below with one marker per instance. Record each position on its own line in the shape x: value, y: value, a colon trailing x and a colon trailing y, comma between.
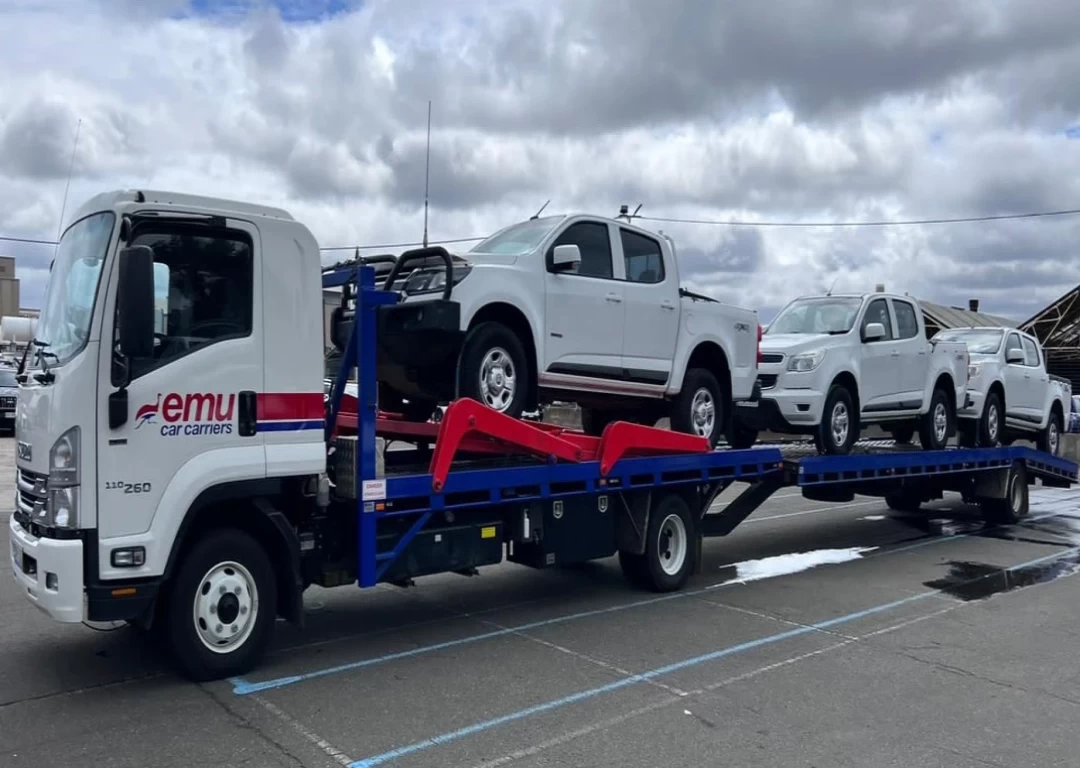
x: 1013, y: 343
x: 1031, y: 353
x: 593, y: 241
x: 203, y: 290
x: 643, y: 258
x: 907, y: 322
x: 877, y: 311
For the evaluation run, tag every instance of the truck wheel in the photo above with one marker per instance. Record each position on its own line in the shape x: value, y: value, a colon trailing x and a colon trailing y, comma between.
x: 839, y: 428
x: 222, y: 606
x: 740, y: 436
x: 990, y: 422
x: 670, y: 548
x: 494, y: 369
x: 699, y: 409
x: 1049, y: 439
x: 1014, y: 506
x: 934, y: 425
x: 903, y: 435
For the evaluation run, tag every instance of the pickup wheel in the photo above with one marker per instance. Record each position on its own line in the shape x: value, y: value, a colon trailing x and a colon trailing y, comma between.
x: 934, y: 425
x: 740, y: 436
x: 699, y: 409
x: 989, y: 433
x: 1049, y: 439
x: 494, y: 369
x: 222, y: 606
x: 903, y: 435
x: 839, y: 428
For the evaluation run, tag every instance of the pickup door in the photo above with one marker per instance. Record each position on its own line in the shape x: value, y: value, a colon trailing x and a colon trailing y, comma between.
x: 881, y: 361
x: 914, y: 353
x: 651, y: 325
x: 1025, y: 389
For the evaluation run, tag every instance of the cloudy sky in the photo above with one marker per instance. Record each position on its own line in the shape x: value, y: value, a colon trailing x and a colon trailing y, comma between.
x: 775, y: 110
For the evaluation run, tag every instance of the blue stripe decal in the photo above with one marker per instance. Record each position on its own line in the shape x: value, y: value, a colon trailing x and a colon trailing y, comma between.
x: 289, y: 426
x: 667, y: 669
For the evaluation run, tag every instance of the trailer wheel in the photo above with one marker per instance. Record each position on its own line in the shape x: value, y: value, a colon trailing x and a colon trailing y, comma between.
x: 934, y: 426
x: 494, y: 369
x: 222, y: 606
x: 1014, y: 506
x: 1049, y: 439
x: 670, y: 548
x: 902, y: 501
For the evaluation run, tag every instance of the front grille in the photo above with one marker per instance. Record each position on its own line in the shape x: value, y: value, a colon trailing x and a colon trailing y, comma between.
x: 767, y: 380
x: 7, y: 402
x: 772, y: 357
x: 31, y: 489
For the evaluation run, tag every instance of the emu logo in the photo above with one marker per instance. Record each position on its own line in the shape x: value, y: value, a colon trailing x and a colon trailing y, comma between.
x: 147, y: 413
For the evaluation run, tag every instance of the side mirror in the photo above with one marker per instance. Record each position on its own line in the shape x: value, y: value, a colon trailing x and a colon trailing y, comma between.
x: 873, y: 332
x: 135, y: 301
x: 565, y: 257
x: 1014, y: 355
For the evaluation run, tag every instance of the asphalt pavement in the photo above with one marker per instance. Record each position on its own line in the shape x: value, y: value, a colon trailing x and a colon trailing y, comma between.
x: 816, y: 635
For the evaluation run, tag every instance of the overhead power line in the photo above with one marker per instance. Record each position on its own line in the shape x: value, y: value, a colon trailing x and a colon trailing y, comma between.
x: 881, y: 223
x: 703, y: 222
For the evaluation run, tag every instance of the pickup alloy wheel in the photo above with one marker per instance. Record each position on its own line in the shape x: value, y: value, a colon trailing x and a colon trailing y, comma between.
x: 839, y: 428
x: 934, y: 425
x: 699, y: 408
x: 1049, y: 440
x: 990, y: 427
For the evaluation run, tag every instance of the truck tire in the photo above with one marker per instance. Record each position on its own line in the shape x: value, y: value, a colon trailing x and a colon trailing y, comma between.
x: 700, y: 408
x: 935, y: 425
x: 670, y: 548
x: 221, y: 606
x: 739, y: 436
x: 1049, y: 439
x: 494, y: 369
x: 991, y: 422
x: 839, y: 428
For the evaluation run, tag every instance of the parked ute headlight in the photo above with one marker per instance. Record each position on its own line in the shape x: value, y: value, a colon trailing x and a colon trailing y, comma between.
x: 974, y: 369
x: 433, y: 280
x: 806, y: 361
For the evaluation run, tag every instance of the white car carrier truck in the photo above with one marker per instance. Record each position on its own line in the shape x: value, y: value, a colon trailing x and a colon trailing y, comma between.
x: 177, y: 467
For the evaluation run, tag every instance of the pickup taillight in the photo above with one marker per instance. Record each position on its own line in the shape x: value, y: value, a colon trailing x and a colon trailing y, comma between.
x: 760, y: 333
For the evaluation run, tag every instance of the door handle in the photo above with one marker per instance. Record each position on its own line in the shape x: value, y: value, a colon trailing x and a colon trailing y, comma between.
x: 667, y: 305
x: 894, y: 353
x: 614, y: 298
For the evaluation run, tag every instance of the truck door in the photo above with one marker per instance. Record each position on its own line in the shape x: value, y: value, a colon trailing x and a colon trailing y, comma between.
x: 584, y: 308
x: 187, y: 404
x: 652, y: 309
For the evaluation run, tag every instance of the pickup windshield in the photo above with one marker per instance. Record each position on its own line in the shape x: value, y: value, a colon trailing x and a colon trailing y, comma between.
x: 825, y: 314
x: 979, y: 342
x: 519, y: 238
x: 64, y: 324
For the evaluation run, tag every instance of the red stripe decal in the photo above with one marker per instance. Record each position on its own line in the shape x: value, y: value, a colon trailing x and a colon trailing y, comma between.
x: 289, y: 405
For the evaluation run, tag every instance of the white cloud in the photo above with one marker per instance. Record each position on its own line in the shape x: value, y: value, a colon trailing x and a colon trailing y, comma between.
x: 697, y: 110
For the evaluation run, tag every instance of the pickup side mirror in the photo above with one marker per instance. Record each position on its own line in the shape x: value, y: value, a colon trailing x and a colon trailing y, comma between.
x: 135, y: 302
x: 1014, y: 355
x: 873, y: 332
x: 564, y: 257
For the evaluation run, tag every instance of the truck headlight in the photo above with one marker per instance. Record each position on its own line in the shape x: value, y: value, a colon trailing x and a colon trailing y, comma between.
x: 64, y: 459
x: 62, y: 507
x: 433, y: 280
x: 806, y: 361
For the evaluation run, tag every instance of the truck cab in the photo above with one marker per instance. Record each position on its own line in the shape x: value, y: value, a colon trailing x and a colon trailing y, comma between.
x: 177, y: 365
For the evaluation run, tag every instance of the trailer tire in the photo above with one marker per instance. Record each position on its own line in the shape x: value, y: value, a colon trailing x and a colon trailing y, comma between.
x: 670, y: 548
x: 225, y: 582
x: 1014, y: 506
x: 902, y: 501
x: 700, y: 400
x: 494, y: 369
x: 935, y: 426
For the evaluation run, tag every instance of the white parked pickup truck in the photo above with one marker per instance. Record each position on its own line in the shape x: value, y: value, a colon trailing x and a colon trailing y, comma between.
x: 1011, y: 394
x: 832, y: 364
x: 574, y: 308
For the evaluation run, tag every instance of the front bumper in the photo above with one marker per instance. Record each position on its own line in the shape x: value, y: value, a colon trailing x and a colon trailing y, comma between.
x: 793, y: 411
x: 973, y: 405
x: 50, y: 571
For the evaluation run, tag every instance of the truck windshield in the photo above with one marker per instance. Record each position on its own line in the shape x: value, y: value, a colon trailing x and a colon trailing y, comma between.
x: 979, y: 342
x: 64, y: 324
x: 826, y: 314
x: 519, y: 238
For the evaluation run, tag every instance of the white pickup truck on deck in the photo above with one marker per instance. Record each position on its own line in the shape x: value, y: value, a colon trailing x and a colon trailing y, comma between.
x: 576, y: 308
x: 832, y: 364
x: 1011, y: 393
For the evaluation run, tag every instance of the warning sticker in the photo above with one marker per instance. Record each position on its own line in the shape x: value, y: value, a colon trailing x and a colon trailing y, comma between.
x: 373, y: 489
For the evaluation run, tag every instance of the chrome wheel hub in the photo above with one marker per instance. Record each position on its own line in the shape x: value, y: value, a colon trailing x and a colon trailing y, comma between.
x: 498, y: 380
